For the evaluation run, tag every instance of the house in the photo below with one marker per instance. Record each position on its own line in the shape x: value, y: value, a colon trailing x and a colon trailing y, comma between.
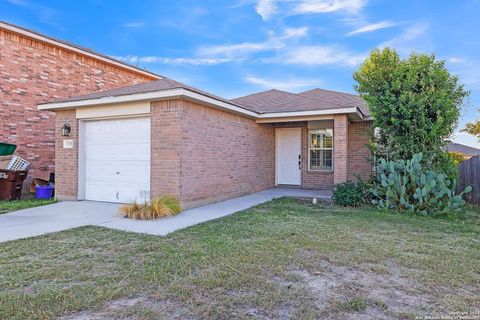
x: 165, y: 137
x: 466, y: 151
x: 36, y: 68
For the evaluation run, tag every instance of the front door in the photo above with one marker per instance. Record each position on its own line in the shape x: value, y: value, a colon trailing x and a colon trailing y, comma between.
x: 289, y: 142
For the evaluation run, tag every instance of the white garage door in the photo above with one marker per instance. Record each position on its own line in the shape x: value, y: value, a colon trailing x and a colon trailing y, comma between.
x: 117, y: 160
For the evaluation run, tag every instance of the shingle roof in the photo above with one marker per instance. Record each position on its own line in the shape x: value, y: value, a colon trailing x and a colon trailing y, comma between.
x: 152, y: 86
x: 337, y: 98
x: 317, y: 99
x: 461, y: 148
x: 271, y: 101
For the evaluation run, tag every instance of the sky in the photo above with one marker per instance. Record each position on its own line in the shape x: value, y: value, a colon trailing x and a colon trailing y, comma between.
x: 238, y: 47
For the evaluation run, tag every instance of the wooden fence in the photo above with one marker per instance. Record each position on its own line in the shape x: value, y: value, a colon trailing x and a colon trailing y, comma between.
x: 470, y: 176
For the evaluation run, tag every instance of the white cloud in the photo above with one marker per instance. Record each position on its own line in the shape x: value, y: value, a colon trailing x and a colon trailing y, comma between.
x: 237, y: 49
x: 326, y: 6
x: 322, y: 55
x: 372, y: 27
x: 284, y: 84
x: 273, y: 42
x: 467, y: 70
x: 266, y: 8
x: 44, y: 14
x: 407, y: 41
x: 269, y: 8
x: 294, y: 32
x: 456, y: 60
x: 134, y: 24
x: 165, y: 60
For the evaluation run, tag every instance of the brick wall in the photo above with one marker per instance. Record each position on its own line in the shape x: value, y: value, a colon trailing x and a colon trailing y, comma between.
x: 204, y: 155
x: 33, y: 72
x: 340, y: 148
x: 223, y: 155
x: 166, y: 147
x: 359, y: 156
x: 66, y: 175
x: 322, y: 180
x: 357, y: 159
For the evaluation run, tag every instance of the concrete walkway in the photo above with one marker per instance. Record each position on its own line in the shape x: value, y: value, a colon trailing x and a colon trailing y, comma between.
x: 72, y: 214
x: 194, y: 216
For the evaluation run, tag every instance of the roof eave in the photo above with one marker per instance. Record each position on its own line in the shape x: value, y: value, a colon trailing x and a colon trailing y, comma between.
x: 149, y: 96
x: 354, y: 112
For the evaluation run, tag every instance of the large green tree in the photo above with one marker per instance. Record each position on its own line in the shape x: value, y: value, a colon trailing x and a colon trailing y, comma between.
x: 415, y: 103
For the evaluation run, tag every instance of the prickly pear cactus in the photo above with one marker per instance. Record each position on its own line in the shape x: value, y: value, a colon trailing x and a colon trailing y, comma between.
x: 405, y: 186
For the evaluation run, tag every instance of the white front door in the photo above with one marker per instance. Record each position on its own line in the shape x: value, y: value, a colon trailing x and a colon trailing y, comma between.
x: 117, y: 160
x: 289, y: 143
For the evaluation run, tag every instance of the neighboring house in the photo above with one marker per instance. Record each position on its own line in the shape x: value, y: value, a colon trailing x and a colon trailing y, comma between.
x: 466, y: 151
x: 164, y: 137
x: 35, y: 68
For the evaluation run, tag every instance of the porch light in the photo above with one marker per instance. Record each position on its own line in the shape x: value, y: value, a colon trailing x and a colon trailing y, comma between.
x: 66, y: 129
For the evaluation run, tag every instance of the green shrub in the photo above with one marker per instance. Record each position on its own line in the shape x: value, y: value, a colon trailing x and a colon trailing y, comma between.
x: 159, y: 207
x: 406, y: 186
x: 351, y: 194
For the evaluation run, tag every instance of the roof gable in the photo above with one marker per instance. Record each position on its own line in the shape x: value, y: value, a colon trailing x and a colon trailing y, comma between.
x: 337, y: 98
x: 274, y: 100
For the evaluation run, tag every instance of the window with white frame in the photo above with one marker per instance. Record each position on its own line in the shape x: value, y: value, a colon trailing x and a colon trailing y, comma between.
x: 320, y: 149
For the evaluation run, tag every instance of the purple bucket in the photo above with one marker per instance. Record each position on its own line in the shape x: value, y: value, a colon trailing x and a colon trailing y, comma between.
x: 44, y: 192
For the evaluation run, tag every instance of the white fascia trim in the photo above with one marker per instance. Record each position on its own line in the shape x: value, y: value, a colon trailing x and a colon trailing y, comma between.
x: 149, y: 96
x: 86, y: 53
x: 181, y: 92
x: 310, y: 113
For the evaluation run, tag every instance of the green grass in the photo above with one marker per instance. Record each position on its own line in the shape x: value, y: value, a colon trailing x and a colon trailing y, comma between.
x: 283, y: 259
x: 14, y: 205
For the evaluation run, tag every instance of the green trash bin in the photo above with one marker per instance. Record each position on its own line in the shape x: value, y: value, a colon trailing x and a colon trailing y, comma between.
x: 7, y: 149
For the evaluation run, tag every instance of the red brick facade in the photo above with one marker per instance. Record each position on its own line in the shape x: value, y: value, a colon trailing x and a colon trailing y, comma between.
x: 32, y: 72
x: 166, y: 147
x: 204, y: 155
x: 340, y: 148
x: 359, y: 156
x: 66, y: 160
x: 223, y: 155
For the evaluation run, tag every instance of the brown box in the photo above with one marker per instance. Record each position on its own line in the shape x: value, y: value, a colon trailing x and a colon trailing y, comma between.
x: 4, y: 161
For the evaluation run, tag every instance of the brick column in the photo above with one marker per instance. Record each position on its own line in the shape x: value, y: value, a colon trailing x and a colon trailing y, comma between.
x: 166, y: 147
x: 66, y: 159
x: 340, y: 148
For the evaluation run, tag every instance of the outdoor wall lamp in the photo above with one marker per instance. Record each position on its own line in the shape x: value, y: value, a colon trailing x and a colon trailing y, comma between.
x: 66, y: 129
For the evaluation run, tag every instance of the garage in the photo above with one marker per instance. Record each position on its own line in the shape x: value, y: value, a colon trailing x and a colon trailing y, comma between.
x: 116, y: 160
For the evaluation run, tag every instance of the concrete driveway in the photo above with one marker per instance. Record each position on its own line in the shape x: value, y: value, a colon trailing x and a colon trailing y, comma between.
x: 72, y: 214
x: 55, y: 217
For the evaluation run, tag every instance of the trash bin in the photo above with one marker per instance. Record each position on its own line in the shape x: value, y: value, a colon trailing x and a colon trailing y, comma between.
x: 7, y: 149
x: 44, y: 192
x: 11, y: 183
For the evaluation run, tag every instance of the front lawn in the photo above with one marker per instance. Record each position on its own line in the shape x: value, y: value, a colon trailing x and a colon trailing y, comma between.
x: 14, y: 205
x: 283, y: 259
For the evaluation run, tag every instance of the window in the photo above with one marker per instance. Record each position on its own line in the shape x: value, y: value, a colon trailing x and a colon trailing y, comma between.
x: 320, y: 149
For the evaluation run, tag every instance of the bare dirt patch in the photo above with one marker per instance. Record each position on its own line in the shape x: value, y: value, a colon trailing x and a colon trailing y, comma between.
x: 353, y: 293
